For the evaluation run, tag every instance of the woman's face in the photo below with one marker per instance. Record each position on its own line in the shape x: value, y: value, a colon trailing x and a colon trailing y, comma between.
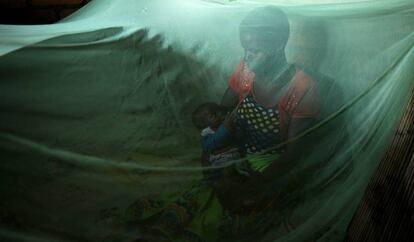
x: 259, y: 56
x: 255, y: 56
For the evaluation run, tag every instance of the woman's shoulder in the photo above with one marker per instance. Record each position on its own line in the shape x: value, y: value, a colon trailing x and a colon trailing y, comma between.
x: 302, y: 97
x: 302, y: 80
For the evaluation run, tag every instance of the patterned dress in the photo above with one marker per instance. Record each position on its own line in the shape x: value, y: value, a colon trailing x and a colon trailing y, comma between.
x: 260, y: 128
x: 263, y: 131
x: 264, y: 128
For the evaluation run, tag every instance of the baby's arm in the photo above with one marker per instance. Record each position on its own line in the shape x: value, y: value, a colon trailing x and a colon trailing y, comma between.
x: 212, y: 141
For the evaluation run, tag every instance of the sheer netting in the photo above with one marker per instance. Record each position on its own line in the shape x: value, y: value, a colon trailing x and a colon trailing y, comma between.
x: 102, y: 136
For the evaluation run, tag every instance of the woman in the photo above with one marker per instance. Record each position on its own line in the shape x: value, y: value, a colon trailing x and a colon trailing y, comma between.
x: 274, y: 101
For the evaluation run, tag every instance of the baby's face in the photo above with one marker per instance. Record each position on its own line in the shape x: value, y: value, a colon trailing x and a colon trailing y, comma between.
x: 215, y: 116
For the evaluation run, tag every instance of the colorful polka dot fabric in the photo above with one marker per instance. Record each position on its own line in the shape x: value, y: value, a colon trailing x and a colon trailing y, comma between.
x: 259, y: 125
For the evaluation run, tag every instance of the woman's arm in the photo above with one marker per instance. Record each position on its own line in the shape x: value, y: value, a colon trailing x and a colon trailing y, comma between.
x: 292, y: 150
x: 230, y: 99
x: 261, y: 186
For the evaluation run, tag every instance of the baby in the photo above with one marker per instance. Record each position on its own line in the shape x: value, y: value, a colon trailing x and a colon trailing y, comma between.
x: 217, y: 137
x: 216, y: 128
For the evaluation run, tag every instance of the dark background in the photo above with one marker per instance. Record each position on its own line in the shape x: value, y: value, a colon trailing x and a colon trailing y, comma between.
x: 386, y: 213
x: 37, y: 11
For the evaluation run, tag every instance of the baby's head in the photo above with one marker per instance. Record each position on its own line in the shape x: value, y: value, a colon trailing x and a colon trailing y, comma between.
x: 208, y: 115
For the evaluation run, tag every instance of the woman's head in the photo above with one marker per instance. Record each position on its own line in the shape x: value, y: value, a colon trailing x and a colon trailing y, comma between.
x: 264, y: 33
x: 269, y: 25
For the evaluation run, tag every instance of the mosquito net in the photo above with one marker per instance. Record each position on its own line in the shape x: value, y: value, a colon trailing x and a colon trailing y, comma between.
x: 103, y: 138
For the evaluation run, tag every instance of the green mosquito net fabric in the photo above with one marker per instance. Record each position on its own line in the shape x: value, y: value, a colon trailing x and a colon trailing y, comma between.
x: 96, y: 135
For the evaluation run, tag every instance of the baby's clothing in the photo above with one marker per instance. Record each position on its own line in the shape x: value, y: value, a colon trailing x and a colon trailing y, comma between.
x: 220, y: 149
x: 218, y: 146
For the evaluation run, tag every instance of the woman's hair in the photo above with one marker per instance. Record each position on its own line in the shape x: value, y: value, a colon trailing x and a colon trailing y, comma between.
x: 268, y: 24
x: 199, y: 115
